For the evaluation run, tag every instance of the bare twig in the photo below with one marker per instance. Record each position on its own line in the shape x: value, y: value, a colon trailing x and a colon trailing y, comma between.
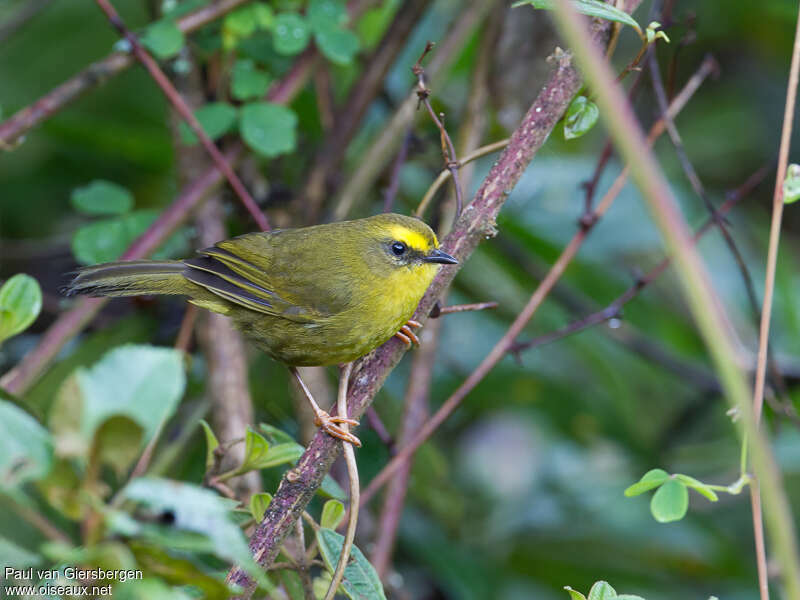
x: 459, y: 308
x: 615, y: 307
x: 70, y: 323
x: 448, y: 149
x: 394, y: 181
x: 96, y: 74
x: 186, y: 112
x: 506, y: 343
x: 706, y: 307
x: 29, y: 10
x: 352, y: 472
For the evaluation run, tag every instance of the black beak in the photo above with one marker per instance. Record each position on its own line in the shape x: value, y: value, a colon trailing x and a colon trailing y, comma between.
x: 437, y: 256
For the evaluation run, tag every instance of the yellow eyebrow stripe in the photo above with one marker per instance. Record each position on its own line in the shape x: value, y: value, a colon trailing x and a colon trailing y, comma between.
x: 412, y: 239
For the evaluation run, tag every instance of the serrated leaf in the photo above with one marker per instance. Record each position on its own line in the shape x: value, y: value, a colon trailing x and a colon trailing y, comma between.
x: 212, y: 443
x: 267, y: 128
x: 581, y: 116
x: 200, y: 511
x: 163, y: 39
x: 791, y: 185
x: 291, y: 34
x: 26, y: 448
x: 258, y: 505
x: 698, y: 486
x: 20, y: 304
x: 339, y: 45
x: 670, y: 502
x: 140, y: 382
x: 248, y: 81
x: 360, y: 581
x: 590, y: 8
x: 652, y: 479
x: 601, y: 590
x: 322, y: 14
x: 216, y: 119
x: 332, y: 514
x: 101, y: 197
x: 574, y: 594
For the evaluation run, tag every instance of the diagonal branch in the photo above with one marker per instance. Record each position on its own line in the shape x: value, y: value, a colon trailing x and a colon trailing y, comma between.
x: 476, y: 223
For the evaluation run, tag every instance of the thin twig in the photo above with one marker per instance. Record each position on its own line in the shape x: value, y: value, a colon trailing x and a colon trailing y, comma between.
x: 708, y: 311
x: 186, y: 112
x: 380, y: 430
x: 302, y: 563
x: 614, y: 308
x: 184, y: 337
x: 459, y: 308
x: 29, y: 10
x: 766, y: 315
x: 506, y: 343
x: 447, y: 173
x: 394, y: 181
x: 352, y: 472
x: 39, y: 521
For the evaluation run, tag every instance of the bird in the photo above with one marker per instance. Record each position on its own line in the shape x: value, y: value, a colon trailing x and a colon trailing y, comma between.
x: 313, y: 296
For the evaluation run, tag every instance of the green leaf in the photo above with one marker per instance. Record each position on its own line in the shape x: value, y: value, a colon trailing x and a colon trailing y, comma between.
x: 322, y: 14
x: 258, y: 505
x: 291, y: 34
x: 574, y: 594
x: 331, y: 489
x: 105, y: 241
x: 338, y: 44
x: 102, y: 198
x: 652, y: 479
x: 602, y: 591
x: 20, y: 304
x: 360, y: 581
x: 216, y: 119
x: 629, y: 597
x: 591, y: 8
x: 275, y: 435
x: 142, y: 383
x: 118, y: 442
x: 255, y: 447
x: 212, y: 443
x: 293, y: 584
x: 248, y: 81
x: 280, y: 454
x: 267, y: 128
x: 16, y: 557
x: 791, y: 185
x: 163, y: 38
x: 670, y: 502
x: 197, y: 510
x: 26, y: 449
x: 332, y: 514
x: 698, y: 486
x: 581, y: 116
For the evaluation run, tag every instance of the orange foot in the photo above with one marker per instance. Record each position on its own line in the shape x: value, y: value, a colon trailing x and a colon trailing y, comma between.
x: 328, y: 424
x: 407, y: 335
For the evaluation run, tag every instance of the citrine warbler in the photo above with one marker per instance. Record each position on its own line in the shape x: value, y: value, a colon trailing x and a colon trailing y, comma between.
x: 320, y: 295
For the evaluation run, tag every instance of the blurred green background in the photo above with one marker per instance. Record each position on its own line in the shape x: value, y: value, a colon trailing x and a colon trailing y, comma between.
x: 521, y: 492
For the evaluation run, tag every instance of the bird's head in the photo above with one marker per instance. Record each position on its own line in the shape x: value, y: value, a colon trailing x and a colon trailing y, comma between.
x: 407, y: 242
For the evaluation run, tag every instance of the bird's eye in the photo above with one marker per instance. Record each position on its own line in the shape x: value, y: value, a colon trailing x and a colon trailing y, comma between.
x: 398, y: 248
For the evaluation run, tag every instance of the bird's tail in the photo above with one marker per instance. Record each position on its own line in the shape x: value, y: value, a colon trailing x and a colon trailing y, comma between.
x: 131, y: 278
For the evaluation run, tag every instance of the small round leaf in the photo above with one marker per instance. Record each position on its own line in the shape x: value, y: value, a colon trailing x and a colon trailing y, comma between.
x: 581, y: 116
x: 267, y: 128
x: 163, y: 38
x: 322, y: 14
x: 20, y: 304
x: 601, y: 590
x: 291, y: 34
x: 670, y: 502
x: 652, y: 479
x: 337, y: 44
x: 248, y: 81
x: 216, y: 119
x: 101, y: 198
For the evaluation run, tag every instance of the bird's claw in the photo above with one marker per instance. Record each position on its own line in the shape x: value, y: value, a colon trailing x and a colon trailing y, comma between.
x: 328, y: 424
x: 406, y: 334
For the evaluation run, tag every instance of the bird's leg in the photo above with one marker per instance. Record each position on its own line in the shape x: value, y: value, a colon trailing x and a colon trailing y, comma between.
x: 323, y: 420
x: 407, y: 335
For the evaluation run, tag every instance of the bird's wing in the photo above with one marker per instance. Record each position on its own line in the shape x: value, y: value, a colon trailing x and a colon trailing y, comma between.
x: 237, y: 280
